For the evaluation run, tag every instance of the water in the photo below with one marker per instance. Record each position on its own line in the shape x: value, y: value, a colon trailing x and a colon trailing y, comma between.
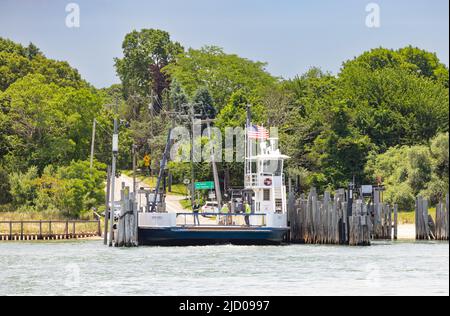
x: 89, y: 268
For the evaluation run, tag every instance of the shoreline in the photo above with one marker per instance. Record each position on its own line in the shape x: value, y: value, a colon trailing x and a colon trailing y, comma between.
x: 406, y: 232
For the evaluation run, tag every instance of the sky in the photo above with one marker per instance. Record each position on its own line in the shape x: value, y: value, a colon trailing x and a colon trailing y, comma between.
x: 290, y: 35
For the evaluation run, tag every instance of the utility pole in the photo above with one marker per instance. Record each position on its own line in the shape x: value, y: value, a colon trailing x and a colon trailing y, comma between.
x: 115, y: 151
x: 192, y: 155
x: 214, y: 166
x: 161, y: 172
x: 94, y: 124
x: 134, y: 153
x: 135, y: 195
x: 248, y: 164
x: 351, y: 188
x: 107, y: 212
x: 172, y: 117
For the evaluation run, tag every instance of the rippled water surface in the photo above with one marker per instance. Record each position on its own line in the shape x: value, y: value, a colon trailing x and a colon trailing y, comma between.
x: 89, y: 268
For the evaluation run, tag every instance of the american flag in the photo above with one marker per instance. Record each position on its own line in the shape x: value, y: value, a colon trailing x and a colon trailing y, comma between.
x: 257, y: 132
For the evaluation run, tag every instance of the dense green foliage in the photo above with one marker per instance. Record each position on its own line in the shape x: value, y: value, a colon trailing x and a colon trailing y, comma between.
x: 47, y: 123
x: 46, y: 115
x: 408, y: 171
x: 376, y: 102
x: 222, y: 74
x: 17, y: 61
x: 71, y: 190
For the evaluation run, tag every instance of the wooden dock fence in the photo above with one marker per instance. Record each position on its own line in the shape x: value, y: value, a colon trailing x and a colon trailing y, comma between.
x: 332, y: 221
x: 326, y: 221
x: 48, y: 230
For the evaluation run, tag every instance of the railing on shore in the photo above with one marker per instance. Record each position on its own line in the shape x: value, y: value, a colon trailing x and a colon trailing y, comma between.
x: 225, y: 219
x: 49, y: 229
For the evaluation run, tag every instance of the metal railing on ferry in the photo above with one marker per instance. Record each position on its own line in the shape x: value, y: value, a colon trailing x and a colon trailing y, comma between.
x: 221, y: 219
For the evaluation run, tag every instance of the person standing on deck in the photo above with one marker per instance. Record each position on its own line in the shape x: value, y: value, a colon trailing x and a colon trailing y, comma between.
x: 248, y: 211
x: 225, y: 210
x: 196, y: 210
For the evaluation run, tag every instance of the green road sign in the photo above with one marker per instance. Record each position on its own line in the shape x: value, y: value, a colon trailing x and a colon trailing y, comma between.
x: 204, y: 185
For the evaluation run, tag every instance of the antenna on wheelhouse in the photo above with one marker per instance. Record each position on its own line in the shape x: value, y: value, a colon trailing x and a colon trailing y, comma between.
x: 248, y: 145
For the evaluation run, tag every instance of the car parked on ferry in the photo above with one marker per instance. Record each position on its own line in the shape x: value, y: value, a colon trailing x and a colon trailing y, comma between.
x: 210, y: 207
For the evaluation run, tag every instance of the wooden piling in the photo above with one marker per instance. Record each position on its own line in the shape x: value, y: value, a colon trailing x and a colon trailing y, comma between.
x: 422, y: 220
x: 395, y: 221
x: 442, y: 225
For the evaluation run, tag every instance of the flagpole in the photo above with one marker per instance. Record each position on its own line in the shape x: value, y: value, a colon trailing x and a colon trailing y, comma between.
x: 247, y: 142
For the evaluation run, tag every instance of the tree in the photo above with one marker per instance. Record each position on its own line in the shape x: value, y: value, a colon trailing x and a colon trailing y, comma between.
x: 58, y: 72
x: 9, y: 46
x: 339, y: 152
x: 12, y: 68
x: 5, y: 187
x: 84, y: 186
x: 440, y: 151
x: 415, y: 60
x: 17, y: 61
x: 70, y: 190
x: 426, y: 64
x: 394, y: 106
x: 408, y: 171
x: 24, y: 188
x: 204, y: 103
x: 222, y: 74
x: 234, y: 114
x: 32, y: 51
x: 178, y: 97
x: 46, y: 124
x: 303, y: 104
x: 146, y: 53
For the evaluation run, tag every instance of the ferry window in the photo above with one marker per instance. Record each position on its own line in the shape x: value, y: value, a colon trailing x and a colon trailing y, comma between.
x: 151, y: 198
x: 279, y: 205
x: 266, y: 195
x: 273, y: 167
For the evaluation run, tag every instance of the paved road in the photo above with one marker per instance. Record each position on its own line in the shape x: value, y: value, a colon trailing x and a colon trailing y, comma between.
x: 172, y: 201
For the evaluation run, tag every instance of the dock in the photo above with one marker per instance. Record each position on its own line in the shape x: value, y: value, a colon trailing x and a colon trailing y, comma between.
x: 49, y: 230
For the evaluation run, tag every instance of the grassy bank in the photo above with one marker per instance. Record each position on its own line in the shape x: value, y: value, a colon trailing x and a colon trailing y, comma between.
x: 31, y: 216
x: 410, y: 217
x: 186, y: 204
x: 44, y: 215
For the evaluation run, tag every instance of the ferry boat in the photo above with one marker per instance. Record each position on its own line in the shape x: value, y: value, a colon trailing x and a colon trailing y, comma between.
x: 264, y: 191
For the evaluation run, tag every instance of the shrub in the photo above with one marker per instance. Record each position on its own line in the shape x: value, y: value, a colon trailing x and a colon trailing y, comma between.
x: 5, y: 187
x: 24, y: 188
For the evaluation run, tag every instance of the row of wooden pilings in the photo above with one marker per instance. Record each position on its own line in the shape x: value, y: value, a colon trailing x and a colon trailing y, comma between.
x: 426, y: 227
x: 331, y: 220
